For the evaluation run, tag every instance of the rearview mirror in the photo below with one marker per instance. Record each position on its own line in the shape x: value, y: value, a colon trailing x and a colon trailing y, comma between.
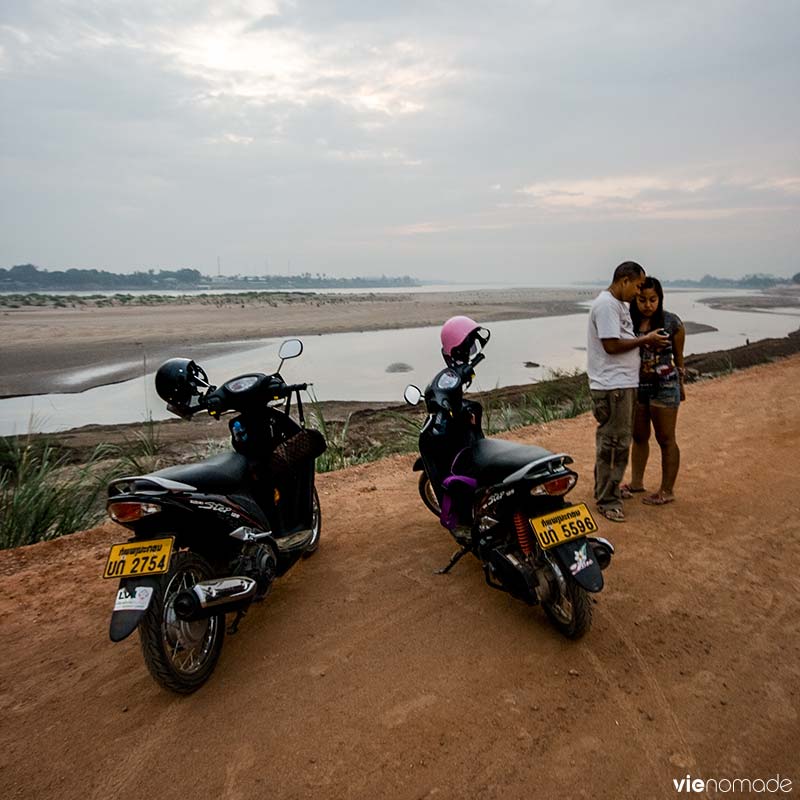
x: 412, y: 394
x: 291, y: 348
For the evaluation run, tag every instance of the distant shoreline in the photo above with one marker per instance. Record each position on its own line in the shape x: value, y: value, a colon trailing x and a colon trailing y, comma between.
x: 371, y: 421
x: 61, y: 348
x: 24, y: 278
x: 760, y: 302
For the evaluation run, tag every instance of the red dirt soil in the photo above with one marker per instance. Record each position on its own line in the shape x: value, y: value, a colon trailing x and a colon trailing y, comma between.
x: 365, y: 675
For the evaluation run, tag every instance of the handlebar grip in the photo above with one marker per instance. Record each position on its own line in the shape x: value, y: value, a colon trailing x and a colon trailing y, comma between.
x: 295, y: 387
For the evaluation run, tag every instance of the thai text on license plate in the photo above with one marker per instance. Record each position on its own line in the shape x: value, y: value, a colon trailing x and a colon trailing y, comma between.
x: 563, y: 525
x: 147, y: 557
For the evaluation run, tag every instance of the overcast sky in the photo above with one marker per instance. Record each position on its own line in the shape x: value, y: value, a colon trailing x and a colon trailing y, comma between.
x: 539, y: 142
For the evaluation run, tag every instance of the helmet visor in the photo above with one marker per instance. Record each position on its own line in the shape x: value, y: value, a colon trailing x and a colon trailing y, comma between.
x: 481, y: 337
x: 472, y: 345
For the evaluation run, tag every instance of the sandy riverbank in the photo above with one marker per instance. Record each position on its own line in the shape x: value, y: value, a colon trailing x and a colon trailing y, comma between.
x: 374, y: 426
x: 762, y: 302
x: 39, y: 346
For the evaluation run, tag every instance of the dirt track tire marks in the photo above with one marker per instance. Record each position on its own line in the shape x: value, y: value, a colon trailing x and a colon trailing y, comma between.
x: 364, y: 675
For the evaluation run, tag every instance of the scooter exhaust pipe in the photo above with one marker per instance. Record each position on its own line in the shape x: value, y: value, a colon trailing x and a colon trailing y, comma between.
x: 602, y: 549
x: 219, y: 596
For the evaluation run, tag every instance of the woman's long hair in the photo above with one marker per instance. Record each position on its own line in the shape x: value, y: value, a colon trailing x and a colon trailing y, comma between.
x: 657, y: 320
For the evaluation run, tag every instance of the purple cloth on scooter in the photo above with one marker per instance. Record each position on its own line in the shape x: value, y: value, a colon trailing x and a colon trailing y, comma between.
x: 449, y: 515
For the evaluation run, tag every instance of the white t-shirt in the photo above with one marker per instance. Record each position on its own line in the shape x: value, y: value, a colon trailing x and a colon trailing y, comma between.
x: 610, y: 318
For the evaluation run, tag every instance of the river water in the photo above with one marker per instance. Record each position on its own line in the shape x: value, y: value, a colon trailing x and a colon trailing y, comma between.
x: 353, y: 366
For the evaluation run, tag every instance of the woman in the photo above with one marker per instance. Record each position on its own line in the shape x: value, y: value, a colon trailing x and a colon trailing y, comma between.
x: 660, y: 393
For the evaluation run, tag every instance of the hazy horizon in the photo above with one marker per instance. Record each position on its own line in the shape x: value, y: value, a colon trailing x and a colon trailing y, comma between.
x: 523, y: 281
x: 535, y: 142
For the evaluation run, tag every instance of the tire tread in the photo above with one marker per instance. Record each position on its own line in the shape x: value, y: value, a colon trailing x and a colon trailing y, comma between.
x: 582, y: 612
x: 150, y: 635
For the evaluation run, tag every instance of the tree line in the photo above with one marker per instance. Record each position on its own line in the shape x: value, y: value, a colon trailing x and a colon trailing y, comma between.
x: 30, y: 278
x: 755, y: 281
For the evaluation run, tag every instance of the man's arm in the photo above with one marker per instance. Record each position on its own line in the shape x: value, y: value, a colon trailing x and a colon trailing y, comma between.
x: 652, y: 339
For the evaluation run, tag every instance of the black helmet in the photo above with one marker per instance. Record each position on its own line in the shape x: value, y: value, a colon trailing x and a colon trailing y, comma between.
x: 179, y: 380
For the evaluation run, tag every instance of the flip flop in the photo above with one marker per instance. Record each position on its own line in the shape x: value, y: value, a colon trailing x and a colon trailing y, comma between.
x: 613, y: 514
x: 657, y: 499
x: 627, y: 491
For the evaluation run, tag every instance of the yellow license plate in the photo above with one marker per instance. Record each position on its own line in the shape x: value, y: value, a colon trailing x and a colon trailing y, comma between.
x: 563, y: 525
x: 147, y: 557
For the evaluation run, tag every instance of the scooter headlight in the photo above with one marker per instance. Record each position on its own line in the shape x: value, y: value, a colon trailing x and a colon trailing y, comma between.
x: 448, y: 380
x: 242, y: 384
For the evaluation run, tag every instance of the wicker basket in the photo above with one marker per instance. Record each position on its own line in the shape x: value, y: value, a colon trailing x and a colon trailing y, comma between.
x: 304, y: 446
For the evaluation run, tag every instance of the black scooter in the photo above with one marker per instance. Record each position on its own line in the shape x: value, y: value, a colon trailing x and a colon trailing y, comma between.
x: 210, y: 538
x: 504, y: 503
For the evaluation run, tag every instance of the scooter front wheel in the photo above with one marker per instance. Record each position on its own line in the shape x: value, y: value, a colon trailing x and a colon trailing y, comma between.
x: 180, y: 655
x: 316, y: 526
x: 428, y: 495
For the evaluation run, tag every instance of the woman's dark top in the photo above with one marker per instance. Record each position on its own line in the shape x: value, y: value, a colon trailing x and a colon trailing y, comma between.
x: 658, y: 366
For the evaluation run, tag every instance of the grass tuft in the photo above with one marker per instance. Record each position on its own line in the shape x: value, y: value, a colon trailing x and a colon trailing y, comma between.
x: 142, y: 453
x: 341, y: 452
x: 42, y: 496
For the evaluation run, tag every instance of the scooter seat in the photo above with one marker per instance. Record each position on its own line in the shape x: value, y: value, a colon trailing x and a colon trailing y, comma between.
x: 495, y: 459
x: 220, y: 473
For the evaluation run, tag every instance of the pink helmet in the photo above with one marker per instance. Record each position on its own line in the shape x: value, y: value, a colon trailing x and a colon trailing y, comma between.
x: 458, y: 336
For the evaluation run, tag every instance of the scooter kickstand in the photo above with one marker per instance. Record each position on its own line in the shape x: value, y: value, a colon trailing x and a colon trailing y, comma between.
x: 457, y: 556
x: 234, y: 626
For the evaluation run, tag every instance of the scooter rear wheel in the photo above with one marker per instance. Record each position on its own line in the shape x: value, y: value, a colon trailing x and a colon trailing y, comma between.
x: 180, y: 655
x: 570, y: 610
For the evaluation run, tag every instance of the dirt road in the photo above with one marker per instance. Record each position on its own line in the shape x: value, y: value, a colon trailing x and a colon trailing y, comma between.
x: 367, y: 676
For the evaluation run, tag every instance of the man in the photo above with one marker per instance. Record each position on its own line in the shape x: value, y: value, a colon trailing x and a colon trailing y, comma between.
x: 613, y: 367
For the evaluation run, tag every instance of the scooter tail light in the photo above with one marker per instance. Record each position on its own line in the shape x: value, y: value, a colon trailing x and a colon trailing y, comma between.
x: 556, y: 486
x: 131, y: 511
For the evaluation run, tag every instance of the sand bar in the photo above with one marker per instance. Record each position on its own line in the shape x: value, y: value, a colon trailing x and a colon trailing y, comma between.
x: 39, y: 346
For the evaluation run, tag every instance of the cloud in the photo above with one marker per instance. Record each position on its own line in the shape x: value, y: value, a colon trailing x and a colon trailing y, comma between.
x: 460, y: 226
x: 661, y: 196
x: 432, y: 138
x: 790, y: 185
x: 271, y: 66
x: 244, y: 50
x: 393, y: 156
x: 231, y: 138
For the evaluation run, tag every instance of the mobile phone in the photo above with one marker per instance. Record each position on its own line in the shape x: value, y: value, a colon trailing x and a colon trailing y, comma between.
x: 663, y: 331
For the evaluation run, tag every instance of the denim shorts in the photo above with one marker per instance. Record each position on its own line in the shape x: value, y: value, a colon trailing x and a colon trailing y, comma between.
x: 664, y: 394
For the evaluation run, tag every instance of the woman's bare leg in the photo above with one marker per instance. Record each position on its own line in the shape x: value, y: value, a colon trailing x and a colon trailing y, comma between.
x: 664, y: 422
x: 640, y: 450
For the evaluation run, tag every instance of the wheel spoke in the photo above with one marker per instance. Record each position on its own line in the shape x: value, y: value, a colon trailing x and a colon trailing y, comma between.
x: 186, y: 647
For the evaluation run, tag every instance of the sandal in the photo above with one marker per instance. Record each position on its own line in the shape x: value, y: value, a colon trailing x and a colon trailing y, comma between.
x: 613, y: 514
x: 627, y: 491
x: 657, y: 499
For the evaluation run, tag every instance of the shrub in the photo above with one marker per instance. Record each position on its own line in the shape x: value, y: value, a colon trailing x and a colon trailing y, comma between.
x: 340, y: 453
x: 41, y: 497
